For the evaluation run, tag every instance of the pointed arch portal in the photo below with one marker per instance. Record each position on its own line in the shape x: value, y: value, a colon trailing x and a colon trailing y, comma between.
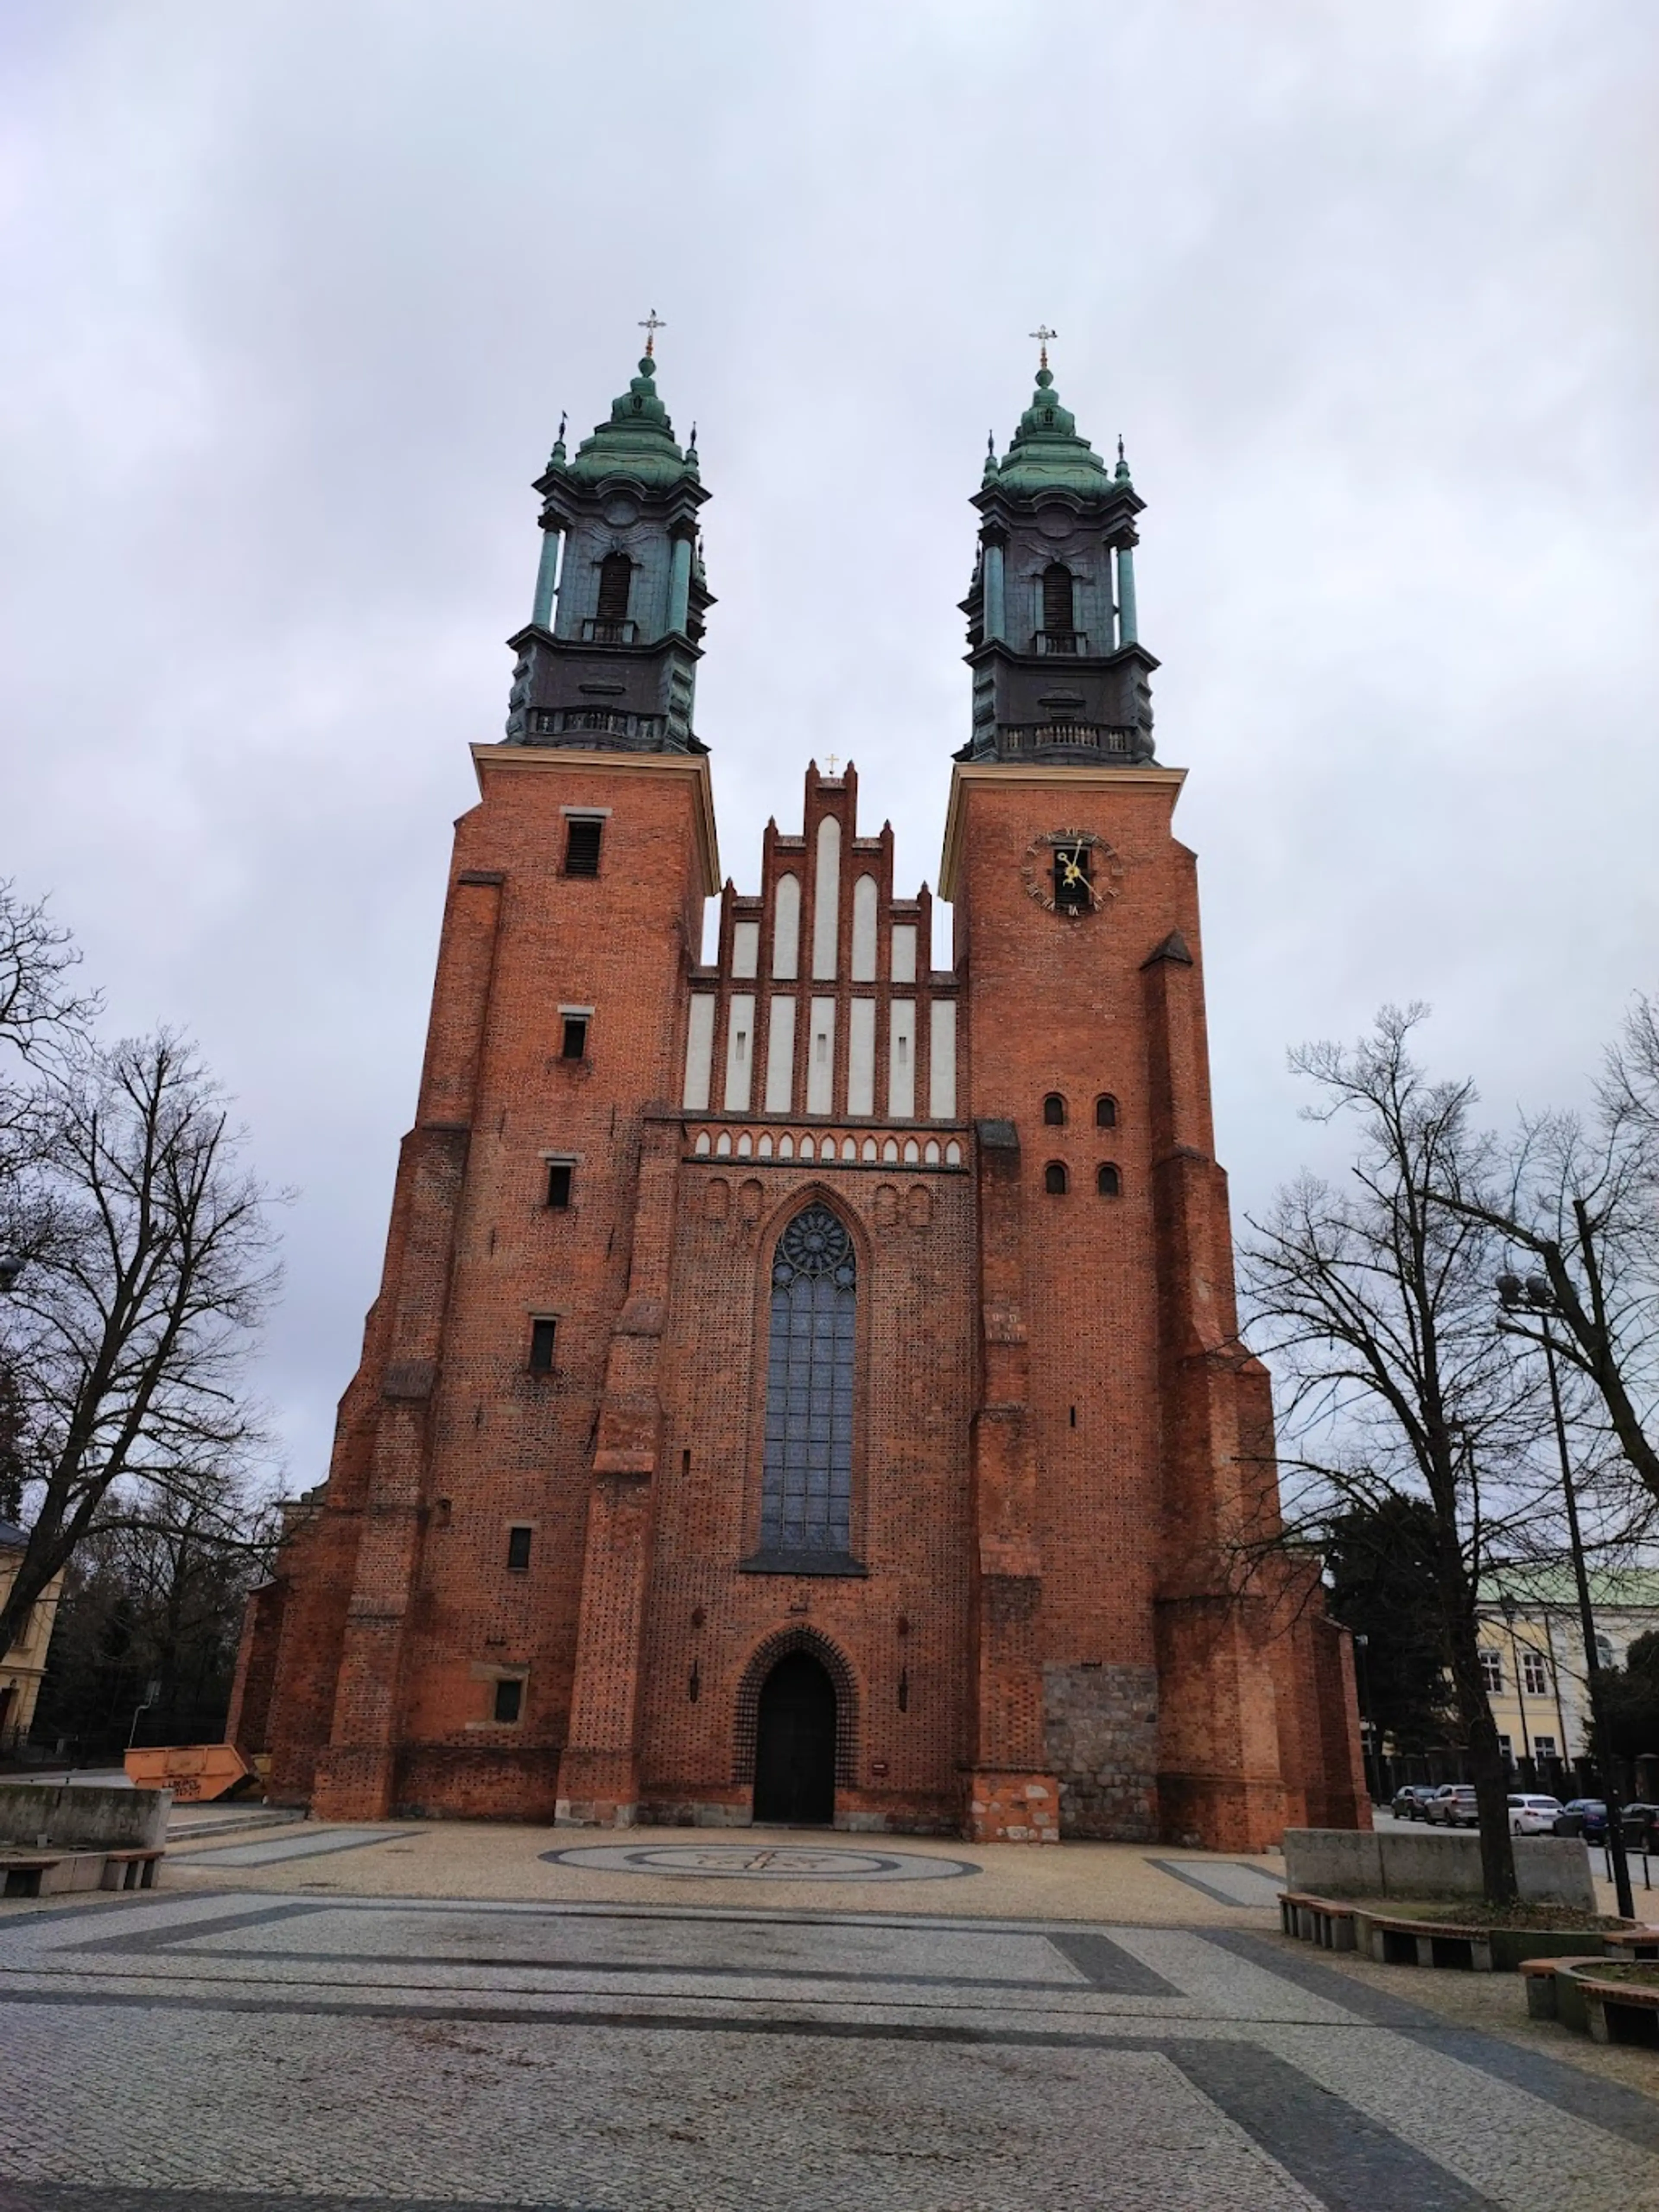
x: 795, y: 1744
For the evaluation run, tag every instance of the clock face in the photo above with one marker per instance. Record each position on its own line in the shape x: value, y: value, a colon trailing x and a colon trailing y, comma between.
x: 1072, y: 872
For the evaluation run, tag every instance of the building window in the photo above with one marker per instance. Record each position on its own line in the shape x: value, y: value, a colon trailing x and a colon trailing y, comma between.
x: 542, y: 1333
x: 1543, y: 1746
x: 615, y: 579
x: 559, y: 1173
x: 581, y: 845
x: 1492, y: 1671
x: 518, y: 1550
x: 509, y: 1699
x: 1053, y: 1111
x: 1534, y: 1674
x: 1107, y: 1182
x: 1105, y: 1113
x: 1604, y: 1658
x: 1059, y: 605
x: 1506, y: 1747
x: 806, y: 1487
x: 575, y: 1037
x: 1054, y: 1179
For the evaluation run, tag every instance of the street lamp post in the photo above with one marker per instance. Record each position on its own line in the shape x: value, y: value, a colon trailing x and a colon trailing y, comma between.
x: 1536, y: 1300
x: 1367, y: 1732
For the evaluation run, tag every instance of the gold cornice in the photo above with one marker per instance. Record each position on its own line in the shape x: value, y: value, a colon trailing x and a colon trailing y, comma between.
x: 962, y: 773
x: 543, y: 758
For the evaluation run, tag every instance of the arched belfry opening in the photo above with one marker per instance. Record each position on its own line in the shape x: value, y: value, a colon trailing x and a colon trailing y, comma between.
x: 795, y: 1744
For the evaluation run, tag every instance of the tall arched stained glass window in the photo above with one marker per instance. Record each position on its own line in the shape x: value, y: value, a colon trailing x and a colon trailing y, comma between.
x: 806, y: 1489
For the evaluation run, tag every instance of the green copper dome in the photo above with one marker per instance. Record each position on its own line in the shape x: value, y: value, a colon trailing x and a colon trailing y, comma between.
x: 1047, y: 454
x: 638, y: 442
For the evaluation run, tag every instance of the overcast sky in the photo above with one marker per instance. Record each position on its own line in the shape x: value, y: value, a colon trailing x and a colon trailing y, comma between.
x: 293, y: 295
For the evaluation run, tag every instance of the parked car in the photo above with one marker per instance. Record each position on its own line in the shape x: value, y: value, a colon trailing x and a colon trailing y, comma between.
x: 1636, y: 1824
x: 1594, y: 1814
x: 1531, y: 1815
x: 1408, y: 1801
x: 1453, y: 1806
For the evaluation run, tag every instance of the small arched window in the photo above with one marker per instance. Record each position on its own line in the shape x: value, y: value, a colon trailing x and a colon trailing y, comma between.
x: 1054, y: 1179
x: 1105, y: 1113
x: 1053, y: 1111
x: 1107, y: 1182
x: 1059, y: 605
x: 615, y: 579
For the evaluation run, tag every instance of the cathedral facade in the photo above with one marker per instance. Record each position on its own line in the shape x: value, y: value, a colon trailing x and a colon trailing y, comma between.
x: 805, y: 1386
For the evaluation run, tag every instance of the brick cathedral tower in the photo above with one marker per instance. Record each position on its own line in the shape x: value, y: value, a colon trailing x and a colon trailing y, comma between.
x: 804, y: 1387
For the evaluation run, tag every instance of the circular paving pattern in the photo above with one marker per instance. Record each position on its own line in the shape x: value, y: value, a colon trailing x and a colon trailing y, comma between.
x: 761, y: 1862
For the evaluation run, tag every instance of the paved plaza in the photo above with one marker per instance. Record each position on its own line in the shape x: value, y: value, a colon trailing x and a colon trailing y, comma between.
x: 271, y: 2031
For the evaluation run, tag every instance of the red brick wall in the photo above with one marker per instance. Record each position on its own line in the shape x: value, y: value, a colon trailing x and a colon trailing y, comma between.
x: 1058, y: 1438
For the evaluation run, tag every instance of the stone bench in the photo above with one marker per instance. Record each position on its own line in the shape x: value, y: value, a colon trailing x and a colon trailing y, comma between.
x: 48, y: 1873
x: 1392, y: 1941
x: 1567, y: 1989
x: 131, y: 1869
x: 1317, y: 1920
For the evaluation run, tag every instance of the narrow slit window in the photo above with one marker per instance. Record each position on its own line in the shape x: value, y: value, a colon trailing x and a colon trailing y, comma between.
x: 1107, y: 1182
x: 582, y: 838
x: 1053, y: 1111
x: 542, y: 1333
x: 509, y: 1699
x: 1105, y: 1113
x: 1059, y: 603
x: 559, y: 1173
x: 1054, y: 1179
x: 615, y: 579
x: 518, y: 1550
x: 575, y: 1037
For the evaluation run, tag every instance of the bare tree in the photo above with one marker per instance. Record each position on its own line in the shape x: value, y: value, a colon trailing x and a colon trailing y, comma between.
x: 1579, y: 1199
x: 42, y: 1018
x: 1374, y: 1302
x: 148, y: 1264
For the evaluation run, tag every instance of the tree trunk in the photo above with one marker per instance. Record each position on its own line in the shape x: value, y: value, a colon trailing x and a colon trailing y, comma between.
x: 1492, y: 1781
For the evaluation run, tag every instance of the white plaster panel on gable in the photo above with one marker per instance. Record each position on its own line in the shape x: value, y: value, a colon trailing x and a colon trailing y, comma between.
x: 739, y: 1052
x: 905, y: 952
x: 786, y: 929
x: 821, y: 1058
x: 902, y: 1060
x: 745, y: 948
x: 861, y: 1056
x: 864, y: 930
x: 699, y: 1051
x: 942, y: 1066
x: 826, y: 899
x: 780, y: 1058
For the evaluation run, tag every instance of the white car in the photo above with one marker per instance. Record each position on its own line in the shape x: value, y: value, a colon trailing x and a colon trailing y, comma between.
x: 1533, y: 1816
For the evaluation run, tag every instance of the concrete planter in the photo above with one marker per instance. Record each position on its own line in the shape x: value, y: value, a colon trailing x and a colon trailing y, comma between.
x: 1355, y: 1862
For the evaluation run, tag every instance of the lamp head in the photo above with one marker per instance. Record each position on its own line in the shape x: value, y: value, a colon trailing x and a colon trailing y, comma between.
x: 1539, y: 1292
x: 11, y: 1266
x: 1509, y: 1288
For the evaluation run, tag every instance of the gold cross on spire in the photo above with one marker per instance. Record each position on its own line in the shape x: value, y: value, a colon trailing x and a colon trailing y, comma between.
x: 832, y: 764
x: 1042, y: 334
x: 650, y: 325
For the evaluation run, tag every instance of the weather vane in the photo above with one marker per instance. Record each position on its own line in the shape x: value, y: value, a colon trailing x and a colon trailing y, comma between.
x: 1042, y: 334
x: 650, y: 325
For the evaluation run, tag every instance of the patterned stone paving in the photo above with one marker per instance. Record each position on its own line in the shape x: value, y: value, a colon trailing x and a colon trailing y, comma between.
x: 775, y: 1862
x: 278, y: 2052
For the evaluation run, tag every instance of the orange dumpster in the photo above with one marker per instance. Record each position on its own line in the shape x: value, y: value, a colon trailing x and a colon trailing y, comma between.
x: 194, y: 1772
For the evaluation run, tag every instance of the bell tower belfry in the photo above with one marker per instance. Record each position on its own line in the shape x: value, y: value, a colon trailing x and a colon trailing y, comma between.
x: 608, y: 659
x: 1058, y: 668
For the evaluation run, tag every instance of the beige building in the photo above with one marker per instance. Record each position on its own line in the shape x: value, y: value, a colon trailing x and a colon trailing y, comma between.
x: 1532, y: 1651
x: 22, y: 1668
